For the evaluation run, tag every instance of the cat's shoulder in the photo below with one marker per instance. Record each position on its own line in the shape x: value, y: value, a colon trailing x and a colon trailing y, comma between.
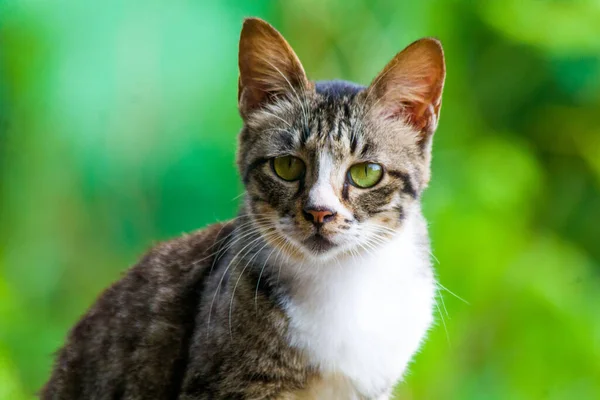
x: 133, y: 335
x: 169, y: 272
x: 189, y: 251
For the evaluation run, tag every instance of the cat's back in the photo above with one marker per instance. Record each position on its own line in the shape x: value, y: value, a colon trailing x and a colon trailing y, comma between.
x: 140, y: 327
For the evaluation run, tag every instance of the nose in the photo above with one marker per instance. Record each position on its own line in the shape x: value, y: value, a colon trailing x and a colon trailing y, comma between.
x: 318, y: 216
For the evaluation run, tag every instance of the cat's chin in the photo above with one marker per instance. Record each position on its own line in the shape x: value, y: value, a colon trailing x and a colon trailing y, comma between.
x: 318, y: 244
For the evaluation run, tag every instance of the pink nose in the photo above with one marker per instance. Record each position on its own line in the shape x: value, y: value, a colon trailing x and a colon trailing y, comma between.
x: 319, y: 216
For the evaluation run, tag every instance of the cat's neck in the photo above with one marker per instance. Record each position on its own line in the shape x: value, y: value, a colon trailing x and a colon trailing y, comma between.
x: 365, y: 316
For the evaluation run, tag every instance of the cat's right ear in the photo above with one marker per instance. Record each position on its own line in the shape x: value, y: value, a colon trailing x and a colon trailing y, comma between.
x: 269, y: 68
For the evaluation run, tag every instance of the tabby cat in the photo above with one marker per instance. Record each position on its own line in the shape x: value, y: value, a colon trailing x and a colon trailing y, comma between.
x: 322, y: 288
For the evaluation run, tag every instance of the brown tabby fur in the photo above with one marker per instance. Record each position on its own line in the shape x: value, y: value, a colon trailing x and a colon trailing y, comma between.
x: 201, y: 316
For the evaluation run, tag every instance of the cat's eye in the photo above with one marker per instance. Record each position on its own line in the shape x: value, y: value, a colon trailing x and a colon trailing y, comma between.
x: 288, y: 168
x: 365, y: 175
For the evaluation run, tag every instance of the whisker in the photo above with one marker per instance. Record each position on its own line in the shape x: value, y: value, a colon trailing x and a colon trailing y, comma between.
x: 452, y: 293
x: 237, y: 229
x: 434, y: 257
x: 243, y: 234
x: 263, y: 111
x: 443, y: 302
x: 260, y: 276
x: 242, y: 273
x: 285, y: 247
x: 223, y: 277
x: 302, y: 105
x: 239, y: 195
x: 443, y: 322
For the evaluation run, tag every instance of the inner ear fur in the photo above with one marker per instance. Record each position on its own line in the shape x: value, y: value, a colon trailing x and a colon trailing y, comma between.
x: 410, y: 86
x: 268, y: 66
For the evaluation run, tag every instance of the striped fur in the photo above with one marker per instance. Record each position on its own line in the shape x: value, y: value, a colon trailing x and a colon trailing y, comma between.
x: 272, y: 305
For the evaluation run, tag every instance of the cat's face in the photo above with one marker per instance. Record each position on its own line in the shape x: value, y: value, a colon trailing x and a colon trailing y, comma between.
x: 325, y: 176
x: 333, y: 167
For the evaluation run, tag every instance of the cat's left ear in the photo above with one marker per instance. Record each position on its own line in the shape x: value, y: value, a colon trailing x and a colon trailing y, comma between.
x: 410, y: 87
x: 269, y: 68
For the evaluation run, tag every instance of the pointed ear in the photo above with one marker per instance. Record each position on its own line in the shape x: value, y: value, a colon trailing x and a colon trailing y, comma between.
x: 410, y: 86
x: 268, y: 66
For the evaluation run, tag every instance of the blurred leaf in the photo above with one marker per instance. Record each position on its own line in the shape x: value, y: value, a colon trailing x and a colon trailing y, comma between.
x: 560, y: 27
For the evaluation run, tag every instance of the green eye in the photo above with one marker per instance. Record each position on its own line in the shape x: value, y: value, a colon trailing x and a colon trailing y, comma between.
x: 365, y: 175
x: 288, y: 168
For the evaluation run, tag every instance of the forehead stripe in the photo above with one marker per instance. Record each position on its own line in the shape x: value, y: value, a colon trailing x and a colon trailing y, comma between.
x: 347, y: 111
x: 339, y: 130
x: 365, y: 150
x: 353, y: 142
x: 319, y: 127
x: 287, y: 140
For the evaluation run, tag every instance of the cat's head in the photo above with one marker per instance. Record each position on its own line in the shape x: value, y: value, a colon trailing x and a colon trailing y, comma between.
x: 331, y: 167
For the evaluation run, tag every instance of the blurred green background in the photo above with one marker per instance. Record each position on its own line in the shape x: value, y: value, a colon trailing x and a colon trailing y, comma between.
x: 118, y: 128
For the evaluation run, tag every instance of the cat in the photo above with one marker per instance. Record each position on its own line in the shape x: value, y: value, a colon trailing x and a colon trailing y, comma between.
x: 322, y: 287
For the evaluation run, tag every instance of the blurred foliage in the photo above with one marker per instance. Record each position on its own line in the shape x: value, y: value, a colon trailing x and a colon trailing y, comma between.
x: 118, y: 128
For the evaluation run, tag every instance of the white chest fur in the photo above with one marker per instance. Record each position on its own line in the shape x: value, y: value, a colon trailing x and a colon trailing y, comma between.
x: 361, y: 321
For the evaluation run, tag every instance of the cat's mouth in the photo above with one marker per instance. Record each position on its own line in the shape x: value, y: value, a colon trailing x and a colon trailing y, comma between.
x: 318, y: 243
